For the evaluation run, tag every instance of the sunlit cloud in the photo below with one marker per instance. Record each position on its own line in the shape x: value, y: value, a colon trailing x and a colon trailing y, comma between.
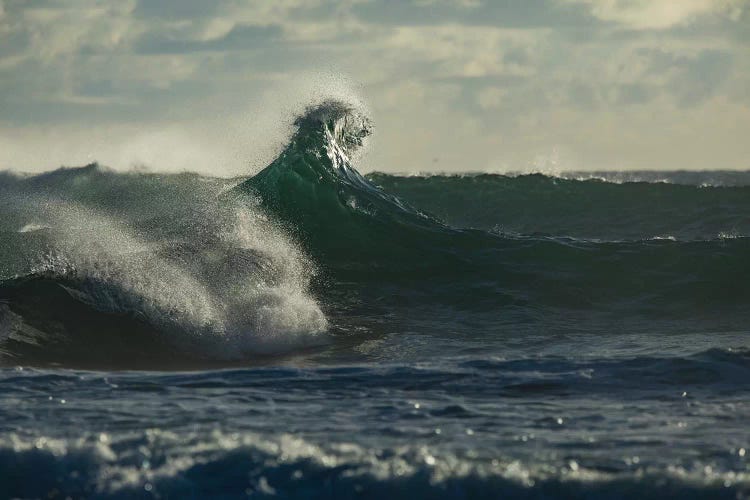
x: 644, y: 14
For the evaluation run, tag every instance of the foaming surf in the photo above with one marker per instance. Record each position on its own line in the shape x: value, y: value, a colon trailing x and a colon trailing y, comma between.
x: 199, y: 278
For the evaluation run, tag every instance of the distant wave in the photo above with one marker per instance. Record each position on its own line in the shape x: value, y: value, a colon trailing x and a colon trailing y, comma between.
x: 590, y: 208
x: 700, y: 178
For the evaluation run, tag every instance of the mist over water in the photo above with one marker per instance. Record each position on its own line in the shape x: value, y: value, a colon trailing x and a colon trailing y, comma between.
x: 309, y: 331
x: 201, y: 277
x: 234, y: 139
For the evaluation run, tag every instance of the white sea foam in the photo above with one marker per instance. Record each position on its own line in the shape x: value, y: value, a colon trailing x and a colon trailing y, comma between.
x: 229, y: 285
x: 31, y: 227
x: 181, y: 463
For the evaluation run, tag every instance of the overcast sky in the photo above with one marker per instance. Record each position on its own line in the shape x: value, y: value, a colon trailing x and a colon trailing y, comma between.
x: 488, y: 85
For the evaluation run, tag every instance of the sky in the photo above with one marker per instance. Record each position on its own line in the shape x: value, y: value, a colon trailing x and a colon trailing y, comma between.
x: 461, y: 85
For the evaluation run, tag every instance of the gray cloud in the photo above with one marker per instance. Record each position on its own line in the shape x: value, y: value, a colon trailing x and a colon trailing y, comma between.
x: 634, y: 94
x: 582, y: 96
x: 691, y: 78
x: 177, y: 9
x: 241, y: 37
x: 498, y: 13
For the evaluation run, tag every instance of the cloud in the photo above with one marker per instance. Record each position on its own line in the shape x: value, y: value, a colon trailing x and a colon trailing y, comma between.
x: 453, y: 50
x: 662, y: 14
x: 497, y: 13
x: 634, y: 94
x: 582, y: 95
x: 239, y: 37
x: 692, y: 77
x: 178, y: 9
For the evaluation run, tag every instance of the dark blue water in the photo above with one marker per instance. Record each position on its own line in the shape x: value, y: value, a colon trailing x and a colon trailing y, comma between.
x: 312, y: 333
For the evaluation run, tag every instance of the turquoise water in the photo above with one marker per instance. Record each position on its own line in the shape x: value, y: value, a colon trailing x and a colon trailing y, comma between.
x: 311, y: 332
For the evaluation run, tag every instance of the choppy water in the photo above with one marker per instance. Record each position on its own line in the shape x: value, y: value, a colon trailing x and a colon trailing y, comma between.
x: 309, y: 332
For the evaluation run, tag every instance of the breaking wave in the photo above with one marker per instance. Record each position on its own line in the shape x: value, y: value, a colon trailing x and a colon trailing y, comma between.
x: 183, y: 268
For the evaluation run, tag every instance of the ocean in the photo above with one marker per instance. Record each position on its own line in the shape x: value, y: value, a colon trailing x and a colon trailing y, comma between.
x: 310, y: 332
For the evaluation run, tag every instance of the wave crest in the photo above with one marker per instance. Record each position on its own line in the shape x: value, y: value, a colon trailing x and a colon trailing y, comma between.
x: 347, y: 124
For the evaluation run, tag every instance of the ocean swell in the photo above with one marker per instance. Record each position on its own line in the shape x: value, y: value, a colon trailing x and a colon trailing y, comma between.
x: 309, y: 251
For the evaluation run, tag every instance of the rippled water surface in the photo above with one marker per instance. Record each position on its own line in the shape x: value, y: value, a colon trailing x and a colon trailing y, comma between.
x: 312, y: 333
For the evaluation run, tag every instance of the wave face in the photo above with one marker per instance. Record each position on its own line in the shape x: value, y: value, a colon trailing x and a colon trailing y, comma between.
x: 534, y: 246
x: 340, y: 216
x: 312, y: 332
